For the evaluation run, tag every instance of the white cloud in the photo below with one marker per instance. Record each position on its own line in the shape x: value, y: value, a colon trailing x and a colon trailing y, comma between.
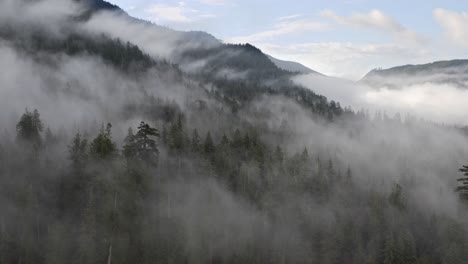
x: 214, y: 2
x: 290, y: 17
x: 284, y: 27
x: 177, y: 14
x: 181, y: 13
x: 454, y: 24
x: 437, y: 102
x: 377, y: 20
x: 345, y: 59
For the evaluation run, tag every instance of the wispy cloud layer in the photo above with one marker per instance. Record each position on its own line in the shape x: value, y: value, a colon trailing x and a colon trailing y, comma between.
x: 214, y: 2
x: 346, y: 59
x: 377, y: 20
x: 176, y: 14
x: 455, y: 25
x: 284, y: 26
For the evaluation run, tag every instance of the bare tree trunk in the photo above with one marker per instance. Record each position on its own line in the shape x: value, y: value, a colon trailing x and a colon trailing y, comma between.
x: 109, y: 258
x: 168, y: 205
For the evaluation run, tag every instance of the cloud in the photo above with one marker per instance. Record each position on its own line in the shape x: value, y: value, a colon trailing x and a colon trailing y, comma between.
x: 454, y: 24
x: 423, y: 98
x: 377, y: 20
x: 283, y: 18
x: 214, y: 2
x: 159, y: 42
x: 284, y: 27
x: 50, y: 15
x: 346, y: 59
x: 177, y: 14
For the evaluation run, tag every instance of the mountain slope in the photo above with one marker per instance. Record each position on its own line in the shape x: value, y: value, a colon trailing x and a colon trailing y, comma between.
x: 150, y: 145
x: 98, y: 5
x: 292, y: 66
x: 453, y: 72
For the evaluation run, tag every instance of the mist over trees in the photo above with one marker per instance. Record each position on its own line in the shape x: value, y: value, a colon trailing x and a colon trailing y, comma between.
x: 128, y: 157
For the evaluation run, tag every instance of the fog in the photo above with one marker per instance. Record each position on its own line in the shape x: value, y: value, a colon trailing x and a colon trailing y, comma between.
x: 438, y: 98
x: 239, y: 203
x: 158, y: 41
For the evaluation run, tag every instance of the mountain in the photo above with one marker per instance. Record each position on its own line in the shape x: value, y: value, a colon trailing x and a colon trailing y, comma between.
x: 454, y: 72
x: 191, y: 42
x: 99, y: 5
x: 292, y: 66
x: 127, y: 142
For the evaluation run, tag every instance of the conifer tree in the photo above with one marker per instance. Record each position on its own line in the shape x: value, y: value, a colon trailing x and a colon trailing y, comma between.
x: 463, y: 189
x: 78, y: 153
x: 29, y: 128
x: 102, y: 147
x: 142, y: 146
x: 195, y: 142
x: 208, y: 145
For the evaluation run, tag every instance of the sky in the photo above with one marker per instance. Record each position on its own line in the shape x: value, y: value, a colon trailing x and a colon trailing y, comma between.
x: 342, y: 38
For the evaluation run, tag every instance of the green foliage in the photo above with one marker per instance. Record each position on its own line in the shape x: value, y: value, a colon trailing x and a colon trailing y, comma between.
x: 135, y: 211
x: 195, y: 143
x: 177, y: 137
x: 208, y: 145
x: 78, y: 152
x: 102, y: 147
x: 397, y: 197
x: 142, y: 146
x: 463, y: 189
x: 29, y: 128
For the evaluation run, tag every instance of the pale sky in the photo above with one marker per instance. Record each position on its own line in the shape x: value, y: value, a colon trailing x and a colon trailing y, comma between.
x: 343, y: 38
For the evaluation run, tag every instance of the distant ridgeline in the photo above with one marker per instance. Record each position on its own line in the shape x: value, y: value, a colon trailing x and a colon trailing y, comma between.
x: 100, y: 5
x: 257, y: 74
x: 231, y: 162
x: 453, y: 72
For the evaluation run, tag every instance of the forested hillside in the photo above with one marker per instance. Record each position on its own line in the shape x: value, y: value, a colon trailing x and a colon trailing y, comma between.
x: 112, y: 154
x: 452, y: 72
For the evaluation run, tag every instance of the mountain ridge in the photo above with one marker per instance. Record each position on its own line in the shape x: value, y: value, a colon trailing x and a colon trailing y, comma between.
x: 453, y: 72
x: 292, y: 66
x: 417, y: 68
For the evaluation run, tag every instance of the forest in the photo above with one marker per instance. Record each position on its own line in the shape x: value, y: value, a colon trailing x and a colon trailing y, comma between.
x: 111, y: 153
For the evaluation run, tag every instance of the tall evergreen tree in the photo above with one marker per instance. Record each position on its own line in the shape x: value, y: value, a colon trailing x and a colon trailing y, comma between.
x: 208, y: 145
x: 78, y: 152
x: 102, y: 147
x: 463, y: 189
x: 195, y: 142
x: 143, y: 146
x: 397, y: 197
x: 29, y: 128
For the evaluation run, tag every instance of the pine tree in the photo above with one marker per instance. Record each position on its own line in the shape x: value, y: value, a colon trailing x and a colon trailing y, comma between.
x: 177, y: 136
x: 78, y: 153
x: 305, y: 155
x: 208, y: 145
x: 279, y: 155
x: 331, y: 173
x: 224, y: 141
x: 29, y: 128
x: 142, y: 146
x: 463, y: 189
x: 195, y: 142
x: 237, y: 140
x: 397, y: 198
x: 102, y: 146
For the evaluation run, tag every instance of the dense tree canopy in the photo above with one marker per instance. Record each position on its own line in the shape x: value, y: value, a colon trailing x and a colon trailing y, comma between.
x: 121, y: 207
